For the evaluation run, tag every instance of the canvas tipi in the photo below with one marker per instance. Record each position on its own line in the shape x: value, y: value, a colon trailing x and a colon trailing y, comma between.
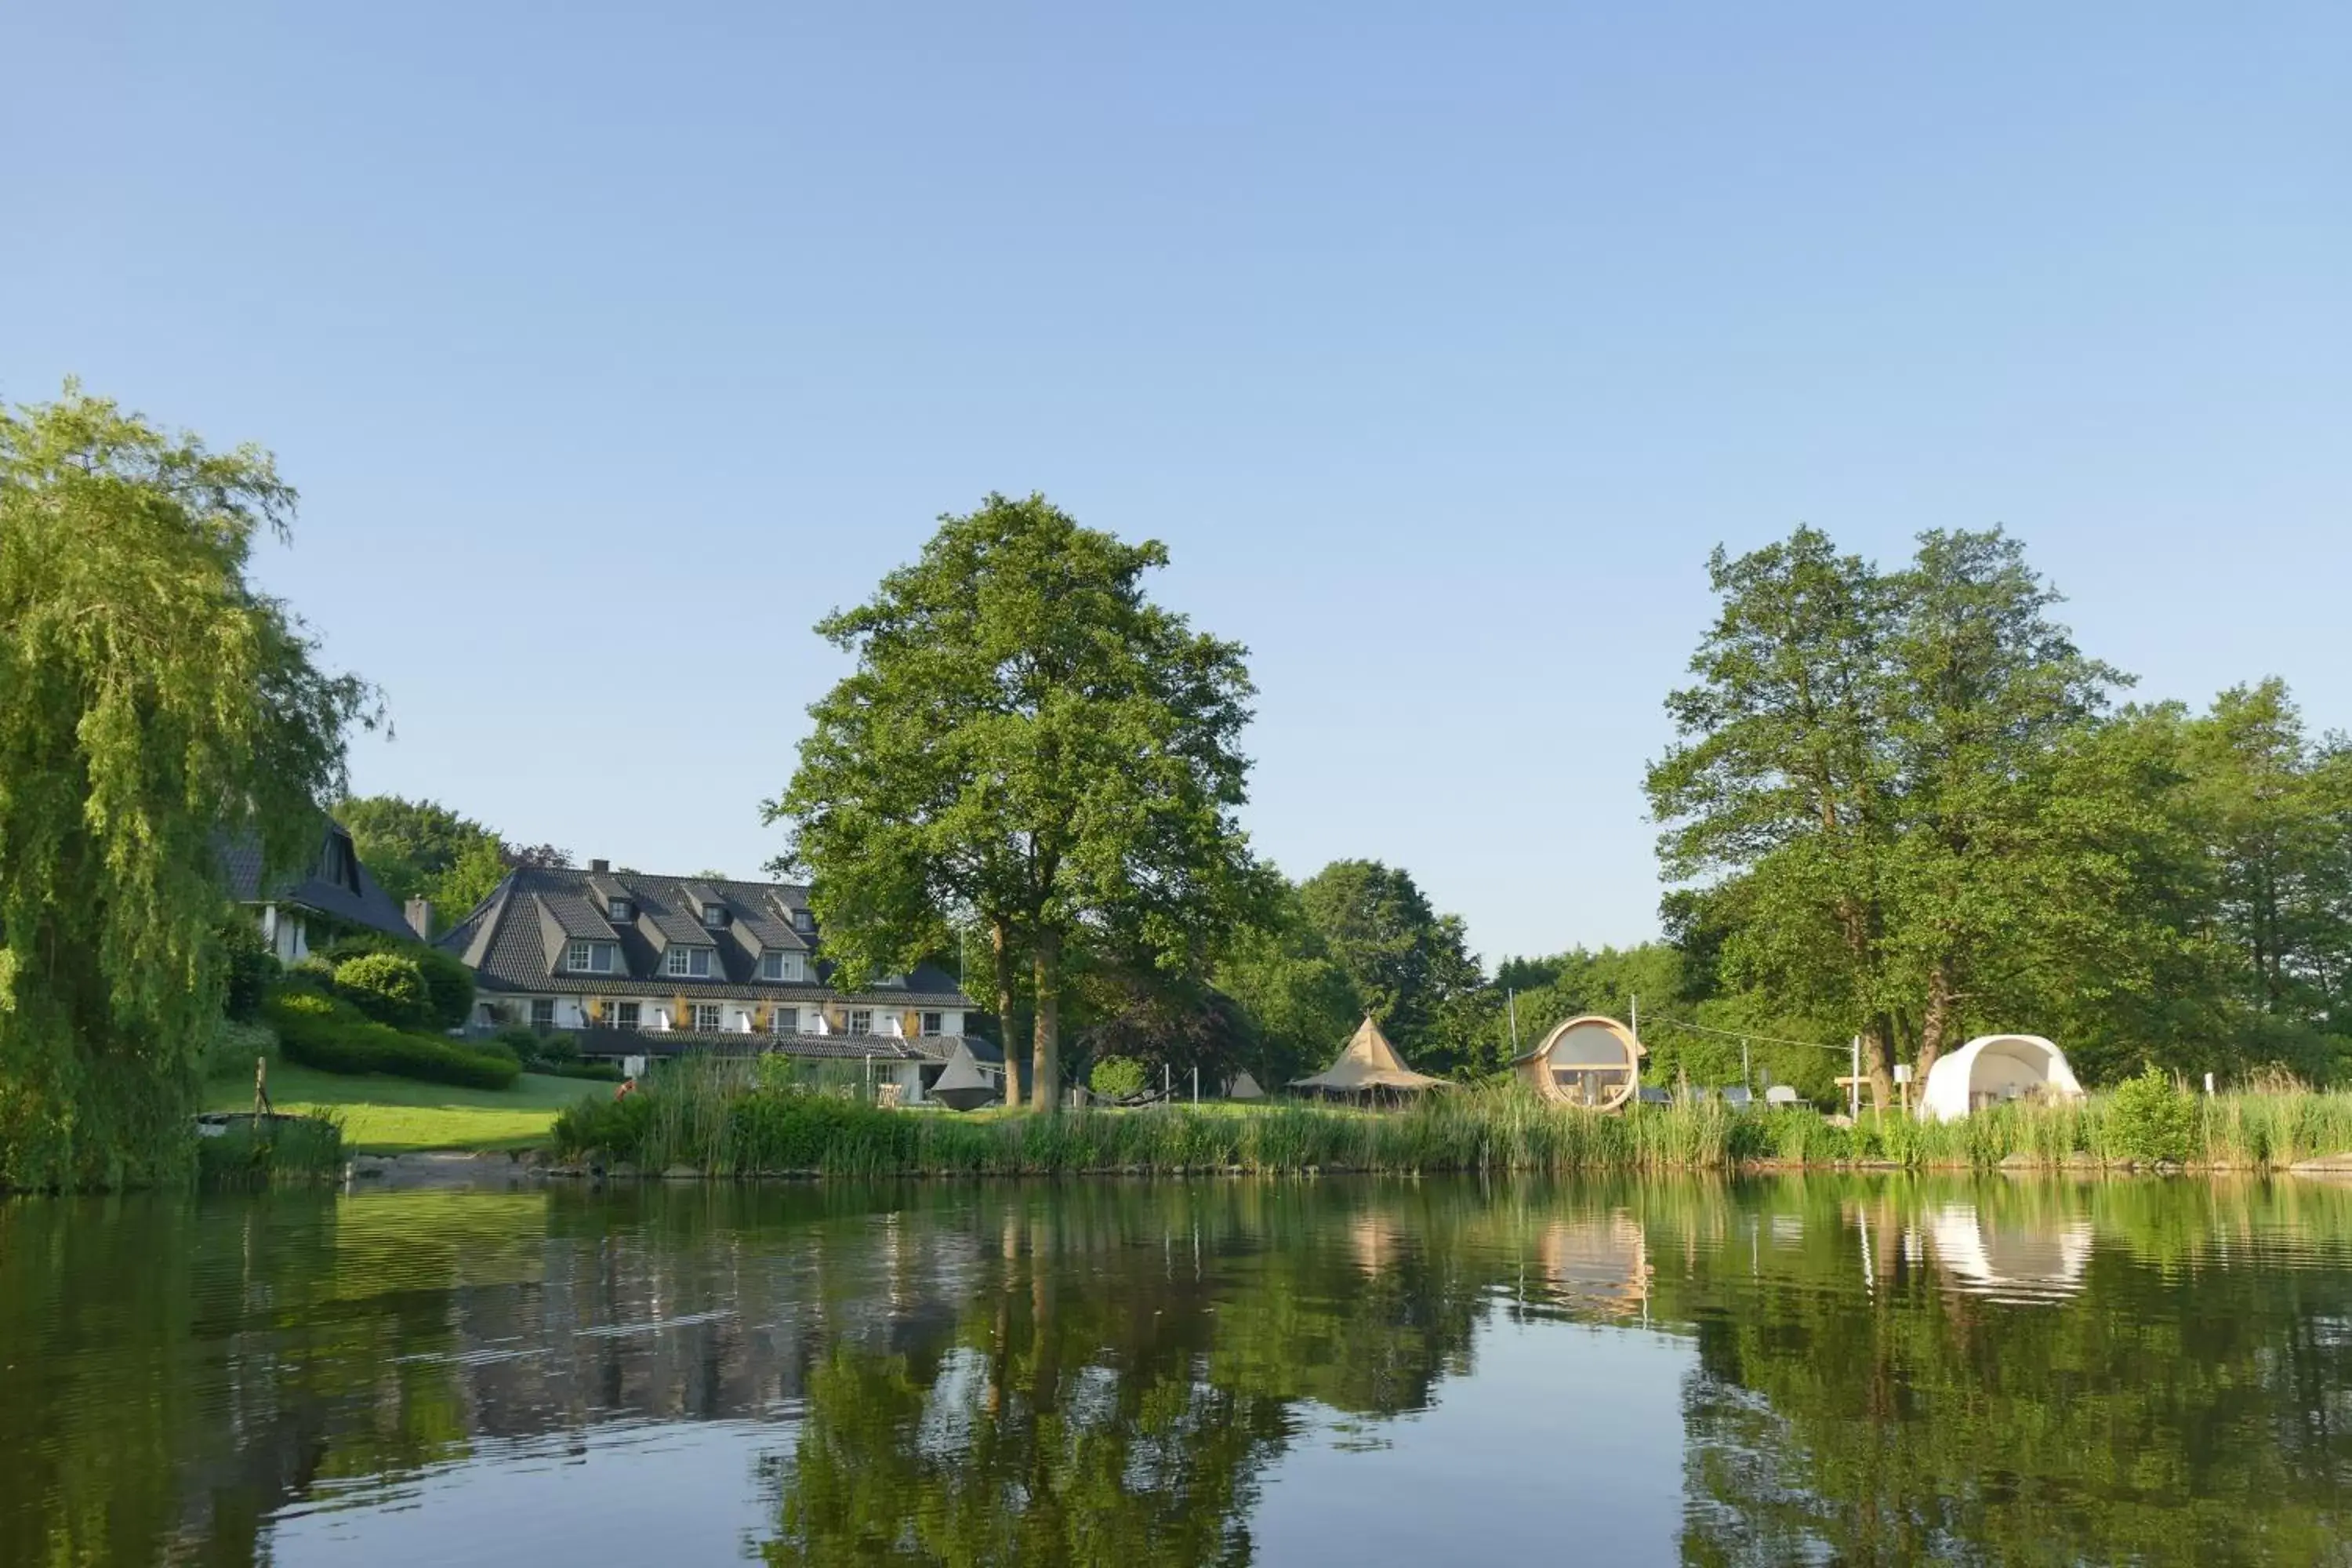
x: 1369, y: 1065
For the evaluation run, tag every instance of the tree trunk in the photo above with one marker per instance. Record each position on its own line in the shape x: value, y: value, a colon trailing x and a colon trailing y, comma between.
x: 1936, y: 1023
x: 1046, y: 1062
x: 1877, y: 1059
x: 1000, y: 945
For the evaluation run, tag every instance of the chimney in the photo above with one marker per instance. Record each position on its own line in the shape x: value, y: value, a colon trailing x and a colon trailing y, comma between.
x: 420, y: 918
x: 599, y: 865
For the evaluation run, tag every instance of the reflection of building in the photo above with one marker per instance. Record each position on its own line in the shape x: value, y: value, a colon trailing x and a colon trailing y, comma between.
x: 2008, y: 1261
x: 1599, y: 1265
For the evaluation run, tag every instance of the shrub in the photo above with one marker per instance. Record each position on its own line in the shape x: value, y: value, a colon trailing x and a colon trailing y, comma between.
x: 251, y: 970
x: 449, y: 987
x: 321, y: 1032
x: 2150, y: 1120
x: 388, y: 987
x: 603, y: 1126
x: 1118, y: 1077
x: 293, y: 1148
x: 234, y: 1045
x: 448, y: 983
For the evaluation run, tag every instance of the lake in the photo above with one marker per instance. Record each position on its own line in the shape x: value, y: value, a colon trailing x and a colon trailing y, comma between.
x: 1851, y: 1369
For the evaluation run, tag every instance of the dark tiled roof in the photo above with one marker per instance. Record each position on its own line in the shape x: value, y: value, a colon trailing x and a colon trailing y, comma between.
x: 319, y: 888
x: 515, y: 939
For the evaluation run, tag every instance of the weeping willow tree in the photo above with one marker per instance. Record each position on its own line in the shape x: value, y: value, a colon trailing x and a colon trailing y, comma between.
x: 151, y: 701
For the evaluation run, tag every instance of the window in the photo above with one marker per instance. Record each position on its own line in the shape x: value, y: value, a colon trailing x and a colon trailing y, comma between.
x: 593, y: 957
x: 714, y: 916
x: 861, y: 1020
x: 621, y: 1014
x: 802, y: 920
x: 785, y: 1021
x: 691, y: 962
x: 932, y: 1024
x: 542, y: 1011
x: 774, y: 965
x: 706, y: 1017
x: 623, y: 912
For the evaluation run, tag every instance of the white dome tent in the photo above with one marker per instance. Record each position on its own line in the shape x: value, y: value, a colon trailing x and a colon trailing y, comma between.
x: 1992, y: 1069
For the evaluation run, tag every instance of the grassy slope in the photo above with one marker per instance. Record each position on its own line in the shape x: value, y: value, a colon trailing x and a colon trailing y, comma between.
x: 385, y: 1115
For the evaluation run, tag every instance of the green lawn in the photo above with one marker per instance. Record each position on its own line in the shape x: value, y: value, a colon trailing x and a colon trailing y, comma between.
x: 386, y: 1115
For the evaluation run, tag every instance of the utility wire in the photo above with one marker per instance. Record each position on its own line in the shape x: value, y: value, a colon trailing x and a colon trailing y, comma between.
x: 1747, y: 1035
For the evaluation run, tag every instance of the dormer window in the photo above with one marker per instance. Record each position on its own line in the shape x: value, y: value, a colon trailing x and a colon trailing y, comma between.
x: 785, y: 966
x: 714, y: 916
x: 803, y: 921
x: 623, y: 912
x: 688, y: 963
x: 593, y: 957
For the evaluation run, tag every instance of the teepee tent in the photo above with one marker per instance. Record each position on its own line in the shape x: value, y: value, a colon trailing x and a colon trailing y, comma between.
x: 1244, y: 1086
x: 963, y: 1084
x: 1991, y: 1069
x: 1369, y: 1065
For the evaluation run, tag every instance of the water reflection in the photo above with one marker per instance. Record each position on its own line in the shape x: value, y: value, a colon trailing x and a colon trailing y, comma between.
x: 1857, y: 1370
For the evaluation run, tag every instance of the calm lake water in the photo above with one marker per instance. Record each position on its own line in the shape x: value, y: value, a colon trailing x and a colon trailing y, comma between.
x: 1852, y: 1370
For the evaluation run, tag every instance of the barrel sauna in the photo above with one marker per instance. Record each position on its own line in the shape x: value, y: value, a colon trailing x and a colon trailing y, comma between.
x: 1591, y: 1063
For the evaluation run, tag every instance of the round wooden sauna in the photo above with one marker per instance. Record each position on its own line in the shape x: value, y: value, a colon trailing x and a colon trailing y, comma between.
x: 1591, y: 1063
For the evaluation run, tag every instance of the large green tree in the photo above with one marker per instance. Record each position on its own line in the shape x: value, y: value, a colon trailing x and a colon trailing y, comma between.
x: 1899, y: 799
x: 1411, y: 967
x: 1985, y: 696
x: 151, y: 701
x: 1029, y: 742
x: 1779, y: 792
x: 421, y: 849
x: 1300, y: 1000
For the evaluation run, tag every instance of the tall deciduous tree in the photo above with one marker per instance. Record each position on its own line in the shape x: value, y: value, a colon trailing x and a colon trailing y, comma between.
x: 1411, y: 967
x: 421, y: 849
x: 1984, y: 695
x: 1782, y: 782
x: 1028, y: 741
x: 152, y: 700
x: 1300, y: 1002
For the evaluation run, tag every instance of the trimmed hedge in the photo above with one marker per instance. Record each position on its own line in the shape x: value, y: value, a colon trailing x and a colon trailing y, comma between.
x: 448, y: 983
x: 334, y: 1037
x: 387, y: 987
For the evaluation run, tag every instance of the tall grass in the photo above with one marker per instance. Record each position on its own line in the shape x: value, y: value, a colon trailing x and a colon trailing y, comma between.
x: 288, y: 1149
x: 719, y: 1118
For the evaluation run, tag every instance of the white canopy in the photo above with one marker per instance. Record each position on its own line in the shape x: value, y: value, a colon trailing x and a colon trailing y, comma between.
x: 1992, y: 1069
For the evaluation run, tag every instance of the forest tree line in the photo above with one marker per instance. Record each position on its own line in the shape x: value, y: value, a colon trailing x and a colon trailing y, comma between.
x: 1901, y: 806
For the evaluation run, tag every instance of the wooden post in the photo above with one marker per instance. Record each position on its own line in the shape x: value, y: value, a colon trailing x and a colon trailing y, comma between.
x: 260, y: 1095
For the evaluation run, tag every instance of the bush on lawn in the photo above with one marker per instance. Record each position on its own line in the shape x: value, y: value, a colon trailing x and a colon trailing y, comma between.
x: 387, y: 987
x: 321, y: 1032
x: 448, y: 983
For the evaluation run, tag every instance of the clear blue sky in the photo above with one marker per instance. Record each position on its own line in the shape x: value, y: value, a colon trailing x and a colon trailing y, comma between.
x: 609, y: 348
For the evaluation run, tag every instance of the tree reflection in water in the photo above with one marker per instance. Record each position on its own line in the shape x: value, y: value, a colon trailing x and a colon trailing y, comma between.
x: 1881, y: 1370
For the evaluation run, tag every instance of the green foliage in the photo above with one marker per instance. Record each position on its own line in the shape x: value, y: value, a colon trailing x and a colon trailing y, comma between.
x: 1902, y: 810
x: 287, y: 1150
x: 322, y: 1032
x: 1027, y: 742
x: 722, y: 1117
x: 1300, y: 1003
x: 421, y: 849
x: 448, y: 983
x: 234, y: 1048
x: 153, y: 702
x: 1410, y: 966
x: 1116, y: 1078
x: 388, y: 987
x: 251, y: 968
x: 2150, y: 1120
